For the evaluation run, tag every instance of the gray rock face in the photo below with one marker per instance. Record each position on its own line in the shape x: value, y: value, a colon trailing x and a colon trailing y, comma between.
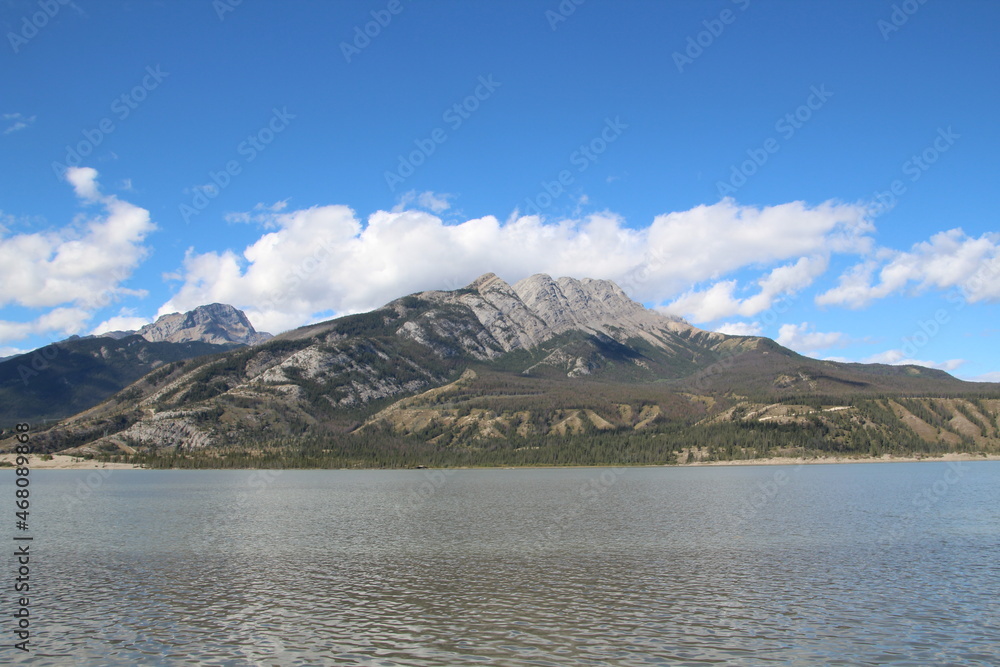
x: 216, y: 323
x: 504, y: 314
x: 540, y: 307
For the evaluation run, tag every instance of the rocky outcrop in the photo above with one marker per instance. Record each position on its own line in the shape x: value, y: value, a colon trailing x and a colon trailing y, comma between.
x: 500, y: 309
x: 216, y: 323
x: 539, y: 307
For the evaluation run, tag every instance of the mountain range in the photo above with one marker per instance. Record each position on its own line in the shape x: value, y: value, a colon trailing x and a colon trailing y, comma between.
x: 64, y: 378
x: 542, y: 371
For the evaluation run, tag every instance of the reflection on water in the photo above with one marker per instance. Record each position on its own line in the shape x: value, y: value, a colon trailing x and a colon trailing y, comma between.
x: 854, y: 564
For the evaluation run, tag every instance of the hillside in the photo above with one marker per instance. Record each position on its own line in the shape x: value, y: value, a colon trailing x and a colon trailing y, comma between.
x: 67, y: 377
x: 542, y: 371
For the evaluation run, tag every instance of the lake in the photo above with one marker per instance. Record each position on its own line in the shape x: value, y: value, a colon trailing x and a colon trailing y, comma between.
x: 893, y: 563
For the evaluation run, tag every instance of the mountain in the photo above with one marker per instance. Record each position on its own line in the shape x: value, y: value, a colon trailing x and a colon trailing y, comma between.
x: 75, y: 374
x: 542, y: 371
x: 216, y: 323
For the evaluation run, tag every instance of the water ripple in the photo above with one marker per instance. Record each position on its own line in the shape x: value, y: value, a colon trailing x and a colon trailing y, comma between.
x: 324, y: 568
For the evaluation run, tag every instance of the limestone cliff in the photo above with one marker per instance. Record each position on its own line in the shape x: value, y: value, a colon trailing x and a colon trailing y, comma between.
x: 215, y: 323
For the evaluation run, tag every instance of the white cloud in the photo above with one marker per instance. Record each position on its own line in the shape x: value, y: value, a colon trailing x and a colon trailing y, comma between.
x: 739, y: 328
x: 78, y: 268
x: 120, y: 323
x: 899, y: 358
x: 802, y: 338
x: 84, y: 182
x: 719, y: 300
x: 324, y: 259
x: 261, y: 214
x: 432, y: 201
x: 11, y: 331
x: 56, y: 324
x: 987, y: 377
x: 17, y: 122
x: 708, y: 304
x: 709, y: 241
x: 950, y: 260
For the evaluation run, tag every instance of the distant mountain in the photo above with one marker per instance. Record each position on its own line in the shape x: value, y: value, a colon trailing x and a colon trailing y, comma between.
x: 75, y: 374
x: 215, y: 323
x: 542, y: 371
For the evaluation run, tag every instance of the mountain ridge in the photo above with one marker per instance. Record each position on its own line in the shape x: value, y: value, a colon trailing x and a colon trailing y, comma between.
x: 547, y: 363
x: 75, y: 374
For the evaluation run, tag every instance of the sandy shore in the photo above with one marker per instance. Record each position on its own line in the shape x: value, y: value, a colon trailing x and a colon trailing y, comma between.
x: 62, y: 462
x: 784, y: 461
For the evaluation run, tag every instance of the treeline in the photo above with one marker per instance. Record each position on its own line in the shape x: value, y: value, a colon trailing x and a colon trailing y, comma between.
x: 380, y: 448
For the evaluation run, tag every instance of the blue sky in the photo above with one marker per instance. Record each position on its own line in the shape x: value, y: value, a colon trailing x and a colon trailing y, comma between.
x: 732, y: 162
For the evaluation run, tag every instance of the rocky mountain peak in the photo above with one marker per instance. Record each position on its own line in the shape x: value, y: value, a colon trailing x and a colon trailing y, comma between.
x: 493, y: 288
x: 539, y: 307
x: 569, y: 303
x: 486, y: 281
x: 215, y: 323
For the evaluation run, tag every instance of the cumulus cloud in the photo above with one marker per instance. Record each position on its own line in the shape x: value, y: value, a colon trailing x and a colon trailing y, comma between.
x: 802, y: 338
x: 84, y: 182
x: 324, y: 259
x: 719, y: 300
x: 900, y: 358
x: 739, y: 328
x: 75, y: 269
x: 120, y: 323
x: 66, y: 321
x: 949, y: 260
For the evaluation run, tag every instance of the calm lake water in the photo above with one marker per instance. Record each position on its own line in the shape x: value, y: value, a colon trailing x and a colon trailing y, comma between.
x: 836, y: 564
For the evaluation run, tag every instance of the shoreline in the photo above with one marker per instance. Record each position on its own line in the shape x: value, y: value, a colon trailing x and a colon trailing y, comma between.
x: 831, y: 460
x: 64, y: 462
